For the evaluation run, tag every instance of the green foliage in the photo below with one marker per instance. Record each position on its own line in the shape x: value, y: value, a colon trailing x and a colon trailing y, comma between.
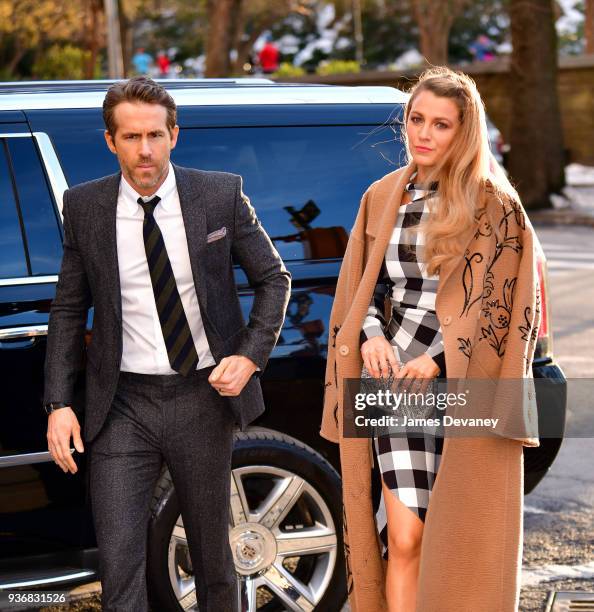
x: 388, y: 31
x: 287, y: 70
x: 63, y: 62
x: 338, y: 67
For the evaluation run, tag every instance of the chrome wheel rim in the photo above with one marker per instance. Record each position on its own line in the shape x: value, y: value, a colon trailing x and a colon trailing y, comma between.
x: 283, y: 540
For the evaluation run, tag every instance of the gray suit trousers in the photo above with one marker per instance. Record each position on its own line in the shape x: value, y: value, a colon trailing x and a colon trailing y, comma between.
x: 184, y: 422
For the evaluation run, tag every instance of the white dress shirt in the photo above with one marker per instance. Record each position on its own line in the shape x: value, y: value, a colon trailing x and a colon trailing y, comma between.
x: 144, y: 349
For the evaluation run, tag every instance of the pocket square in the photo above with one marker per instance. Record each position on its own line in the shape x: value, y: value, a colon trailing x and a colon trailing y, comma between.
x: 216, y: 235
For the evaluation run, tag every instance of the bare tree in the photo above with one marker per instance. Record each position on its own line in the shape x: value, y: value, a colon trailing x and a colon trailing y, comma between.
x: 237, y: 24
x: 589, y: 26
x: 435, y: 19
x: 93, y: 35
x: 536, y: 161
x: 218, y: 42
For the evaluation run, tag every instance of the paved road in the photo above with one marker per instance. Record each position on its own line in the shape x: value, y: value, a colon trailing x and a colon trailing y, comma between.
x: 558, y: 518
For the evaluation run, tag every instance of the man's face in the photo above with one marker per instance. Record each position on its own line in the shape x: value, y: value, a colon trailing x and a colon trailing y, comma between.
x: 142, y: 143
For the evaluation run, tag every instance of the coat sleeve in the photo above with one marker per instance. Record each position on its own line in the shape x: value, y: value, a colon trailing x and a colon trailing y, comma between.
x: 67, y: 320
x: 349, y: 277
x: 509, y: 321
x: 375, y: 322
x: 269, y: 277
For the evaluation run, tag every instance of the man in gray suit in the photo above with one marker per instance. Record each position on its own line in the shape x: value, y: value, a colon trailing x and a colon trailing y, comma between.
x: 171, y: 365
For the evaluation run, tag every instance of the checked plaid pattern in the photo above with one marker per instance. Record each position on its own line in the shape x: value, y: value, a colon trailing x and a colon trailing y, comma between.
x: 174, y: 324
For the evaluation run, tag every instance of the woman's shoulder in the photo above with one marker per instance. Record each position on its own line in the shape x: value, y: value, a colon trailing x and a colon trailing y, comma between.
x: 379, y: 192
x: 504, y: 205
x: 386, y: 183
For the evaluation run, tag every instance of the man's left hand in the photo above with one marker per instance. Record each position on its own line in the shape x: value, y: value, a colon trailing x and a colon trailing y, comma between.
x: 232, y: 374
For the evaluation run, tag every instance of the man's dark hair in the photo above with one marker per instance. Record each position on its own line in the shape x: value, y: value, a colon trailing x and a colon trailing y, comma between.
x: 137, y: 89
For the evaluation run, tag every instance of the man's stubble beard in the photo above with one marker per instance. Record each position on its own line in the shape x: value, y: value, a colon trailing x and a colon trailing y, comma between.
x: 145, y: 184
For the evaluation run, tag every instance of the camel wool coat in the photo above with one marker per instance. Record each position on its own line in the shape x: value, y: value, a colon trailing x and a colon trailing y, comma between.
x: 488, y: 305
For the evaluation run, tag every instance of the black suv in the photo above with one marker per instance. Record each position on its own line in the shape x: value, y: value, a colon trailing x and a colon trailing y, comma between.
x: 306, y: 153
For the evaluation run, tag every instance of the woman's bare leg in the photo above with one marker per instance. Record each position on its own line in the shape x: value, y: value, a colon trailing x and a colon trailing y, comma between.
x: 405, y: 530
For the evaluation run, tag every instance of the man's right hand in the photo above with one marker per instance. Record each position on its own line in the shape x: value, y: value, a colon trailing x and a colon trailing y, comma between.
x: 62, y: 425
x: 378, y: 357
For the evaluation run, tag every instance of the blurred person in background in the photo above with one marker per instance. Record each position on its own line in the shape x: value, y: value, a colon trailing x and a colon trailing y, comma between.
x: 482, y: 49
x: 142, y: 61
x: 163, y: 63
x: 269, y: 58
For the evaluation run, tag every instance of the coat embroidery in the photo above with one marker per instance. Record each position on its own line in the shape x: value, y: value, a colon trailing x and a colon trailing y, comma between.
x: 525, y: 329
x: 529, y: 333
x: 334, y: 333
x: 347, y: 553
x: 465, y: 346
x: 484, y: 228
x: 468, y: 281
x: 498, y: 316
x: 507, y: 241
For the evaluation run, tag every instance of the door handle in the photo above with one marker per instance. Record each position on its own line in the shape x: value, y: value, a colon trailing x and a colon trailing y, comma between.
x: 21, y: 337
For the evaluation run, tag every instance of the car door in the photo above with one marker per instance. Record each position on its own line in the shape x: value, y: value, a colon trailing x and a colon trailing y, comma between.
x: 42, y: 510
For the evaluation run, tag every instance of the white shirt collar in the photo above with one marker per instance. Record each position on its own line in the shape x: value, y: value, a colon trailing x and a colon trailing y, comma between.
x: 129, y: 196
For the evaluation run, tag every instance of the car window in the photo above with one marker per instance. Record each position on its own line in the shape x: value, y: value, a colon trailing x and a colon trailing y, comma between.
x: 12, y: 253
x: 305, y: 182
x: 42, y: 232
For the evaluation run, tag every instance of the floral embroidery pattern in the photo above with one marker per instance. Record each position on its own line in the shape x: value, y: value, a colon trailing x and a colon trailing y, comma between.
x: 334, y: 332
x: 525, y: 329
x: 530, y: 333
x: 518, y: 213
x: 508, y: 241
x: 468, y: 280
x: 498, y: 316
x: 347, y: 553
x: 465, y: 346
x: 485, y: 228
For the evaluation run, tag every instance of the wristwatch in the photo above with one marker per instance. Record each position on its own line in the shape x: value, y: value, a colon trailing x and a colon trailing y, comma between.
x: 51, y: 406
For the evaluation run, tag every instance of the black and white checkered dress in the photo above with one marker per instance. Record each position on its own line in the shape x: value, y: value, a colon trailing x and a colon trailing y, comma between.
x: 408, y: 465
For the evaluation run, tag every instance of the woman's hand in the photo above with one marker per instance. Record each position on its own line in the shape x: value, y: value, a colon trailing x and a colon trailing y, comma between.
x: 422, y: 368
x: 378, y: 357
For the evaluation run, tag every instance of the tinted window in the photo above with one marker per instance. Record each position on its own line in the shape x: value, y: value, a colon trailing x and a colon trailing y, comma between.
x: 37, y: 208
x: 12, y: 253
x: 305, y: 182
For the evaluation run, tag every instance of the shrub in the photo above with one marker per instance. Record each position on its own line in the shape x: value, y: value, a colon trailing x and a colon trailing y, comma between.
x: 338, y: 67
x: 63, y: 62
x: 288, y: 70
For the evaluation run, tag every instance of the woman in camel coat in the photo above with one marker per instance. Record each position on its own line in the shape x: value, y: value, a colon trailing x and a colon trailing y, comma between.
x: 483, y: 249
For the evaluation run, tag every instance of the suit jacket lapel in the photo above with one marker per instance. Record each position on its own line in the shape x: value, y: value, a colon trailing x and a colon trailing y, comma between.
x: 191, y: 188
x: 105, y: 235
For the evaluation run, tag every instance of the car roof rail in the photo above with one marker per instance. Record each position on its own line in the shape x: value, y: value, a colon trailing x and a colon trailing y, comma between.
x: 103, y: 84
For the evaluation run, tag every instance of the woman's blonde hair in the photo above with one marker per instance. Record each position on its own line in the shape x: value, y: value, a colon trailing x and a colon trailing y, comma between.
x: 465, y: 172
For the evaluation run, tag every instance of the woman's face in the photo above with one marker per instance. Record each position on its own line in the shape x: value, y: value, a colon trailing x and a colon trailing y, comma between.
x: 432, y: 124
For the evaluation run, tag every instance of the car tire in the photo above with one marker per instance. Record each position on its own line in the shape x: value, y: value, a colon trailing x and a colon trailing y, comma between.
x: 264, y: 461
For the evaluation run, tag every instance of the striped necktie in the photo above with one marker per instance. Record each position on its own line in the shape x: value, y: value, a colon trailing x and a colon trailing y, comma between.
x: 174, y: 324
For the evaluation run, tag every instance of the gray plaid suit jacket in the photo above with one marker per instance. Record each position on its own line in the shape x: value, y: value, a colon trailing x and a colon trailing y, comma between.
x: 89, y: 276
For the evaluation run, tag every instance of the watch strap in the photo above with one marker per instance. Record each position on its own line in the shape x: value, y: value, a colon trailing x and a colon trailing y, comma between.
x: 51, y: 406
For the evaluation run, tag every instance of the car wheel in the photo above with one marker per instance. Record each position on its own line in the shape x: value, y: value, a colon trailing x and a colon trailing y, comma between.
x: 285, y: 531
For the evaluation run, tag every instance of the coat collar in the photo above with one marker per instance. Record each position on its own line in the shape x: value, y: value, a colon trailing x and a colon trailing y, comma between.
x: 388, y: 220
x: 191, y: 188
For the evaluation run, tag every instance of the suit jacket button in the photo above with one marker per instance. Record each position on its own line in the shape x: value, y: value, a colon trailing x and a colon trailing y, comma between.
x: 343, y: 350
x: 447, y: 320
